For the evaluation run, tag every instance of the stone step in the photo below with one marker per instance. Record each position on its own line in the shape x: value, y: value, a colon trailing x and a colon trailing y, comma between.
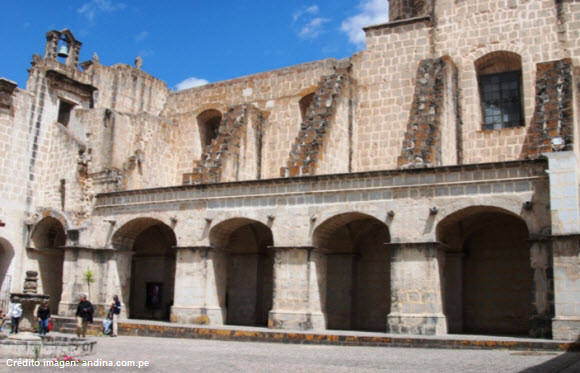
x: 326, y: 337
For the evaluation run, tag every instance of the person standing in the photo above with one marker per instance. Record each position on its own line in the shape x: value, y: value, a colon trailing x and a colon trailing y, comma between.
x: 43, y: 315
x: 84, y: 316
x: 15, y: 312
x: 116, y: 308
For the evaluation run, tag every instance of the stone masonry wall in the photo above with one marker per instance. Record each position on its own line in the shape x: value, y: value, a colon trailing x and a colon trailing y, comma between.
x: 15, y: 144
x: 234, y: 154
x: 422, y: 144
x: 385, y: 73
x: 276, y: 93
x: 553, y: 115
x: 468, y: 30
x: 128, y: 90
x: 309, y: 145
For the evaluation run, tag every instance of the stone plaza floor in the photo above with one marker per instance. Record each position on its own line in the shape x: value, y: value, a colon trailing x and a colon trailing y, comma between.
x: 199, y: 355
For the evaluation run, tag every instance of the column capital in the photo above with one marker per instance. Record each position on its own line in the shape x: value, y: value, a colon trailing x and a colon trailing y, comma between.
x: 429, y: 249
x: 304, y: 248
x: 418, y: 245
x: 200, y: 249
x: 292, y: 247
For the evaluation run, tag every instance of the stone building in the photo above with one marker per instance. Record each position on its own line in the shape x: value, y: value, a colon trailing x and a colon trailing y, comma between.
x: 426, y: 185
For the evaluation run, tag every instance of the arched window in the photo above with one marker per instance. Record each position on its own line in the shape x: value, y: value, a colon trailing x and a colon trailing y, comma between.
x: 208, y: 123
x: 305, y: 103
x: 499, y: 77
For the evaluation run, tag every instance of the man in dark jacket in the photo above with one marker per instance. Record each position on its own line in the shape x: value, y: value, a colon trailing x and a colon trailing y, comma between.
x: 84, y: 316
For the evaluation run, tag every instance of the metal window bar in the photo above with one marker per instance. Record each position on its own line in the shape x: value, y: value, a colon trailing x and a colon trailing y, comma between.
x: 501, y: 100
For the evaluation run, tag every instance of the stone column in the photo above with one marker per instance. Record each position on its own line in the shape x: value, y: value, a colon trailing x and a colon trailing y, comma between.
x: 71, y: 281
x: 299, y: 289
x: 416, y: 289
x: 543, y: 284
x: 200, y: 286
x: 566, y: 257
x: 119, y: 279
x: 111, y: 275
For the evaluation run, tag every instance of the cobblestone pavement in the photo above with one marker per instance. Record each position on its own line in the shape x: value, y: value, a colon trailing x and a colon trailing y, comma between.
x: 191, y: 355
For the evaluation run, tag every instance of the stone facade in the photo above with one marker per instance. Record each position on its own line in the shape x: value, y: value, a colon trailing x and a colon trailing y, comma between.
x: 367, y: 193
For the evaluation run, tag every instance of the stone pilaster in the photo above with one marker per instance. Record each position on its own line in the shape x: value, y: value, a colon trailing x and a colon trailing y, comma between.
x: 543, y: 288
x: 200, y: 283
x: 299, y: 289
x: 564, y: 195
x: 111, y: 276
x: 566, y: 257
x: 416, y: 289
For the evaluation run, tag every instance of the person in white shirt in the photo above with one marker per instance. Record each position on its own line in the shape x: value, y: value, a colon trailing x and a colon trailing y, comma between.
x: 15, y: 312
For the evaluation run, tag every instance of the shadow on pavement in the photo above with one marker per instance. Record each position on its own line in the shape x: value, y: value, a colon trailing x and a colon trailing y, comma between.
x: 568, y: 362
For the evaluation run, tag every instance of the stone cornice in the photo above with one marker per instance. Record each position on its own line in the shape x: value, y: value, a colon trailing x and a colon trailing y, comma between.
x: 449, y: 181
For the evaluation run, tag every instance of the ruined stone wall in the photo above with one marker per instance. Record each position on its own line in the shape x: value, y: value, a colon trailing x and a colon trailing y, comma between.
x: 127, y: 89
x: 323, y: 143
x: 275, y: 93
x: 131, y: 151
x: 335, y: 157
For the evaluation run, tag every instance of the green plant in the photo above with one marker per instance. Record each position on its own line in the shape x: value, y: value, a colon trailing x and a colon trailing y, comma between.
x: 89, y: 277
x: 36, y: 352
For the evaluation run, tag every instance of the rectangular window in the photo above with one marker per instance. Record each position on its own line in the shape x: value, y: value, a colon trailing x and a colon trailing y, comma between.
x: 501, y: 100
x: 64, y: 110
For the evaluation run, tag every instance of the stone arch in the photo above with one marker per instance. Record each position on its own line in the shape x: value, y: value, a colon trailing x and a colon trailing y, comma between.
x: 499, y: 77
x: 6, y: 256
x: 358, y: 271
x: 488, y: 277
x: 469, y: 72
x: 208, y: 123
x: 247, y: 271
x: 510, y: 205
x: 152, y: 267
x: 47, y: 240
x: 305, y: 103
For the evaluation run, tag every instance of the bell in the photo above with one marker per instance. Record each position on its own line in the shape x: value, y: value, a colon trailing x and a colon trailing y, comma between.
x: 63, y: 51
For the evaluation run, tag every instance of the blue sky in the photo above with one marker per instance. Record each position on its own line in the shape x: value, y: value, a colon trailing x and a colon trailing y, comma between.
x: 190, y: 42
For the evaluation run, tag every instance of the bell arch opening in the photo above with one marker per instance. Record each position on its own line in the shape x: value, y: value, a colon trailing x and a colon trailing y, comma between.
x: 488, y: 277
x: 246, y: 293
x: 358, y: 295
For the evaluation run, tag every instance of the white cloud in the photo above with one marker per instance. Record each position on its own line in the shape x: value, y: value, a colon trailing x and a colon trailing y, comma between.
x: 190, y: 83
x: 313, y: 9
x: 91, y: 8
x: 312, y: 29
x: 141, y: 36
x: 306, y: 22
x: 372, y: 12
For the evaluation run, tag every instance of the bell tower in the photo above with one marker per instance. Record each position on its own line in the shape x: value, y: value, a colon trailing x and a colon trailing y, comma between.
x: 404, y: 9
x: 62, y: 44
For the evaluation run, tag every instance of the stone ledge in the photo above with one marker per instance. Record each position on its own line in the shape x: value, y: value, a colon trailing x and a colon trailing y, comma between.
x: 166, y: 330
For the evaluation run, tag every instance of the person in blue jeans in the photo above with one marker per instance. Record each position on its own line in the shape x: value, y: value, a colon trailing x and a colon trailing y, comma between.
x: 43, y: 315
x: 116, y: 309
